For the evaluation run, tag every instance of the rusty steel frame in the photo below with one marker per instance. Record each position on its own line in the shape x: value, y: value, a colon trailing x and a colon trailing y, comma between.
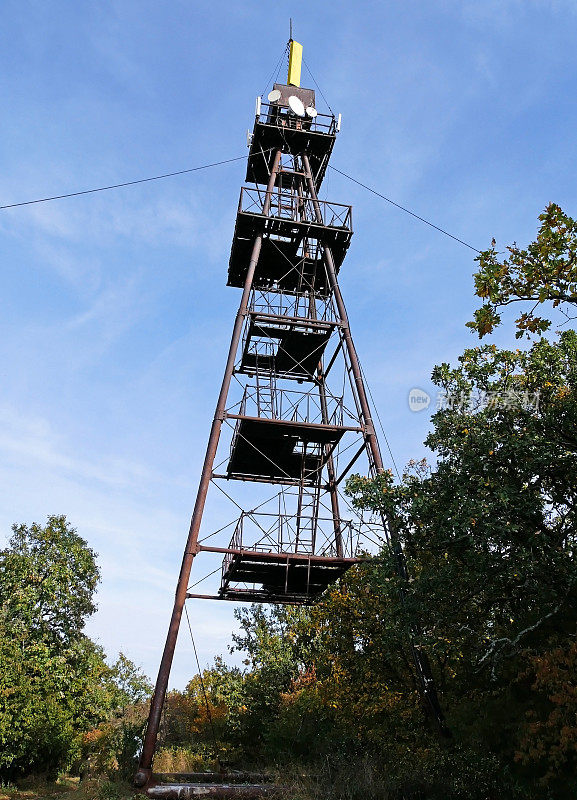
x: 289, y: 424
x: 272, y: 556
x: 306, y: 203
x: 218, y: 791
x: 252, y: 479
x: 286, y: 600
x: 145, y: 765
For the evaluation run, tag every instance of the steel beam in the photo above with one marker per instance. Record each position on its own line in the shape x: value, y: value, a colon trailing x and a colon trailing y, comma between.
x: 272, y: 556
x: 289, y: 423
x: 145, y: 766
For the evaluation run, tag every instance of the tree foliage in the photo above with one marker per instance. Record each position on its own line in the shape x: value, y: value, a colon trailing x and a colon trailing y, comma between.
x: 545, y: 271
x: 55, y: 684
x: 489, y: 535
x: 49, y: 575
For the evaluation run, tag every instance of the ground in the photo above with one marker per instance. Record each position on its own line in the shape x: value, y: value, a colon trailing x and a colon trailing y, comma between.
x: 68, y: 789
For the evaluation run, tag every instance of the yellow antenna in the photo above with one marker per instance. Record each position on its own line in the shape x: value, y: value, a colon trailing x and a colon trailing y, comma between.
x: 295, y: 63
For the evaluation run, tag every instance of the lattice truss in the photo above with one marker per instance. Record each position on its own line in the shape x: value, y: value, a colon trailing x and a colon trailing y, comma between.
x: 293, y: 423
x: 292, y: 420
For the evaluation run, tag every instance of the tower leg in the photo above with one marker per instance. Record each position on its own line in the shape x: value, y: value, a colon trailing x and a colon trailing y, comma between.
x: 145, y: 765
x: 331, y: 475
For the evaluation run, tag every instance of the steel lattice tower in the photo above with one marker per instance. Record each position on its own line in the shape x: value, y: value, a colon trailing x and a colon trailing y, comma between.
x: 302, y: 419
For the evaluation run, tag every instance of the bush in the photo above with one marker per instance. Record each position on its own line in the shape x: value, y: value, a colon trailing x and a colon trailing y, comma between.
x: 183, y: 759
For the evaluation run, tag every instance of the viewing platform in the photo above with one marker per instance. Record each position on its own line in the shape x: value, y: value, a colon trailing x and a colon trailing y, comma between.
x: 283, y: 436
x: 285, y: 265
x: 290, y: 559
x: 291, y: 223
x: 276, y: 126
x: 291, y: 347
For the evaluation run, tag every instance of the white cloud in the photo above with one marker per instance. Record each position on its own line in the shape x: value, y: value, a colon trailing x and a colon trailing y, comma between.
x: 123, y: 509
x: 32, y: 440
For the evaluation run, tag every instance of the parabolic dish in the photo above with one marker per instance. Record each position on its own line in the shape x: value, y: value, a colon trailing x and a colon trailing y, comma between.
x: 296, y: 106
x: 311, y: 112
x: 274, y: 96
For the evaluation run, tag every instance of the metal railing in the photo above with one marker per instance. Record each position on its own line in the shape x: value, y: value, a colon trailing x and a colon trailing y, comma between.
x: 261, y: 347
x: 303, y: 305
x: 272, y: 114
x: 290, y: 533
x: 270, y: 402
x: 296, y: 208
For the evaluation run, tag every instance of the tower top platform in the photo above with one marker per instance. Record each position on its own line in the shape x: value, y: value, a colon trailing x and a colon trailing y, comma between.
x: 277, y: 124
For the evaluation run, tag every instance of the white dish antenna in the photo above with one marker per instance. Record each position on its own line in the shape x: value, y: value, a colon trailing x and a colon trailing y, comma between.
x: 311, y: 112
x: 274, y: 96
x: 296, y: 106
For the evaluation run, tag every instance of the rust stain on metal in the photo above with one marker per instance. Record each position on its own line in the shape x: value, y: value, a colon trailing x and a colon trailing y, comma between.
x: 288, y: 247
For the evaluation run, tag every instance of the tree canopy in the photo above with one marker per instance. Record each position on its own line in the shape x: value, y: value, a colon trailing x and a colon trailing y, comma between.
x: 49, y: 575
x: 489, y: 534
x: 545, y: 271
x: 55, y: 684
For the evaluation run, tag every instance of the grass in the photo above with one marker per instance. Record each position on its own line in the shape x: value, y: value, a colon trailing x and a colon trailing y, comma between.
x: 69, y: 789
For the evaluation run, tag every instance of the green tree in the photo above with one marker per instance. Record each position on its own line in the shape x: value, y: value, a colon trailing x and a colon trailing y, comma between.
x: 55, y: 684
x: 111, y: 744
x: 275, y: 656
x: 48, y: 697
x: 131, y: 685
x: 545, y: 271
x: 489, y: 532
x: 48, y: 578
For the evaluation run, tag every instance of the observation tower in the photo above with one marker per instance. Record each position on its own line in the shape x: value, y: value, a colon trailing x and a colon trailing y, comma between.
x: 292, y: 417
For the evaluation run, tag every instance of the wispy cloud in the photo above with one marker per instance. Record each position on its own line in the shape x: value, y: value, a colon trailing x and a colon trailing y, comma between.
x: 33, y: 440
x: 122, y: 507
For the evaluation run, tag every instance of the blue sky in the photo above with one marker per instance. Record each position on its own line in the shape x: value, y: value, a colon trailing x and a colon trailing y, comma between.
x: 114, y: 313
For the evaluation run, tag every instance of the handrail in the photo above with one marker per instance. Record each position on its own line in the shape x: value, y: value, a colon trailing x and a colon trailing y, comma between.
x: 287, y: 404
x: 289, y: 533
x: 281, y: 117
x: 287, y: 205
